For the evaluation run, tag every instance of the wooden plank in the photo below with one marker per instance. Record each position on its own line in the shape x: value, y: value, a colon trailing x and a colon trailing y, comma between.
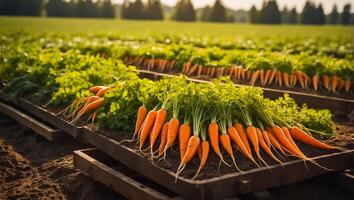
x: 343, y: 180
x: 226, y: 185
x: 50, y: 117
x: 38, y: 127
x: 124, y: 185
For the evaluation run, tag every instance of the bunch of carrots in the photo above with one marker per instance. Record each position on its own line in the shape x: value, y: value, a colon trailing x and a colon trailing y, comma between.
x: 85, y: 105
x: 265, y: 77
x: 246, y: 127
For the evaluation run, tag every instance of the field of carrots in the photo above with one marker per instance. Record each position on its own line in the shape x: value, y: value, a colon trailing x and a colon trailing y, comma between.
x: 197, y: 131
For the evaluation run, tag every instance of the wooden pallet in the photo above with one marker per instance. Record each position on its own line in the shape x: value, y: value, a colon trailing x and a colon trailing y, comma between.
x: 38, y: 127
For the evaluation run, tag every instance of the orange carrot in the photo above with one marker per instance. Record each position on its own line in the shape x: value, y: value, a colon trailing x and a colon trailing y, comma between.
x: 213, y: 131
x: 148, y: 124
x: 103, y: 91
x: 303, y: 137
x: 275, y: 143
x: 95, y: 89
x: 326, y: 82
x: 226, y: 143
x: 284, y: 141
x: 272, y: 75
x: 286, y: 79
x: 171, y: 133
x: 91, y: 106
x: 347, y: 85
x: 142, y: 112
x: 240, y: 130
x: 192, y: 148
x: 341, y: 83
x: 266, y: 138
x: 261, y: 75
x: 315, y: 81
x: 300, y: 78
x: 266, y: 148
x: 290, y: 139
x: 235, y: 137
x: 204, y: 152
x: 163, y: 138
x: 267, y: 76
x: 248, y: 74
x: 160, y: 120
x: 306, y: 79
x: 334, y: 83
x: 280, y: 79
x: 254, y: 77
x: 183, y: 137
x: 193, y: 69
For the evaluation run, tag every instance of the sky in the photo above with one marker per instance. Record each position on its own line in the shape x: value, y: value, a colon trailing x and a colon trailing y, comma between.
x: 247, y: 4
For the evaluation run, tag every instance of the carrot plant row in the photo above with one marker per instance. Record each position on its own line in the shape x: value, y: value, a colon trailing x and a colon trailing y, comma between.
x: 206, y: 118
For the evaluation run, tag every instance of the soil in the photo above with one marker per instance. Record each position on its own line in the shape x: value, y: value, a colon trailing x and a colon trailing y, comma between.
x: 33, y: 168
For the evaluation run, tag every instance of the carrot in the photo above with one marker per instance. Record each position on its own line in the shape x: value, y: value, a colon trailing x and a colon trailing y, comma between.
x: 213, y: 131
x: 91, y: 106
x: 334, y: 83
x: 300, y: 78
x: 288, y: 136
x: 293, y: 80
x: 326, y: 81
x: 306, y: 79
x: 163, y: 138
x: 254, y: 77
x: 272, y: 75
x: 226, y: 143
x: 284, y: 141
x: 286, y: 79
x: 204, y: 153
x: 192, y: 148
x: 267, y: 76
x: 248, y: 74
x: 148, y: 124
x: 315, y: 81
x: 280, y: 79
x: 237, y: 72
x: 265, y: 147
x: 303, y: 137
x: 171, y: 134
x: 142, y: 112
x: 235, y: 137
x: 200, y: 69
x: 193, y: 69
x: 341, y: 83
x: 212, y: 71
x: 95, y: 89
x: 347, y: 85
x: 240, y: 130
x: 266, y: 137
x: 183, y: 136
x: 243, y: 72
x: 160, y: 120
x: 273, y: 140
x: 103, y: 91
x: 252, y: 135
x: 261, y: 75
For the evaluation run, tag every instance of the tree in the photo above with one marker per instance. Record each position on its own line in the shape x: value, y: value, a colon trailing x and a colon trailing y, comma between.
x: 154, y: 10
x: 293, y: 16
x: 218, y: 12
x: 270, y: 13
x: 205, y: 14
x: 333, y: 17
x: 253, y: 15
x: 184, y: 11
x: 320, y: 16
x: 285, y: 15
x: 345, y: 20
x: 107, y: 10
x: 56, y: 8
x: 308, y: 15
x: 21, y: 7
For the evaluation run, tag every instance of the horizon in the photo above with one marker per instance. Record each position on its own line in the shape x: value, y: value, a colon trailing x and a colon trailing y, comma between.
x: 247, y: 4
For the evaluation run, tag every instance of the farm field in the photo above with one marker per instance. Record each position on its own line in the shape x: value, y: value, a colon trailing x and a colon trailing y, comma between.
x: 206, y: 92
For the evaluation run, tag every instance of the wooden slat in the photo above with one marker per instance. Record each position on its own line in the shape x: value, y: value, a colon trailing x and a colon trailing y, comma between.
x: 38, y: 127
x: 124, y: 185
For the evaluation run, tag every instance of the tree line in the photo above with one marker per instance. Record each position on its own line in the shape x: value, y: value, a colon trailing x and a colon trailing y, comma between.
x: 311, y: 14
x: 59, y: 8
x: 184, y: 10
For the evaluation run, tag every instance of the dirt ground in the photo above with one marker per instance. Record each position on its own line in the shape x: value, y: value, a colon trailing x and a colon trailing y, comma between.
x: 33, y: 168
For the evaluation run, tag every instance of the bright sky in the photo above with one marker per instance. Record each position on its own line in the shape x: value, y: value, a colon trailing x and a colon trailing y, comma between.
x: 247, y: 4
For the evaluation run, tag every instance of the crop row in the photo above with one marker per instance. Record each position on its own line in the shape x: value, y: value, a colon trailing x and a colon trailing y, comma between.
x: 112, y: 95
